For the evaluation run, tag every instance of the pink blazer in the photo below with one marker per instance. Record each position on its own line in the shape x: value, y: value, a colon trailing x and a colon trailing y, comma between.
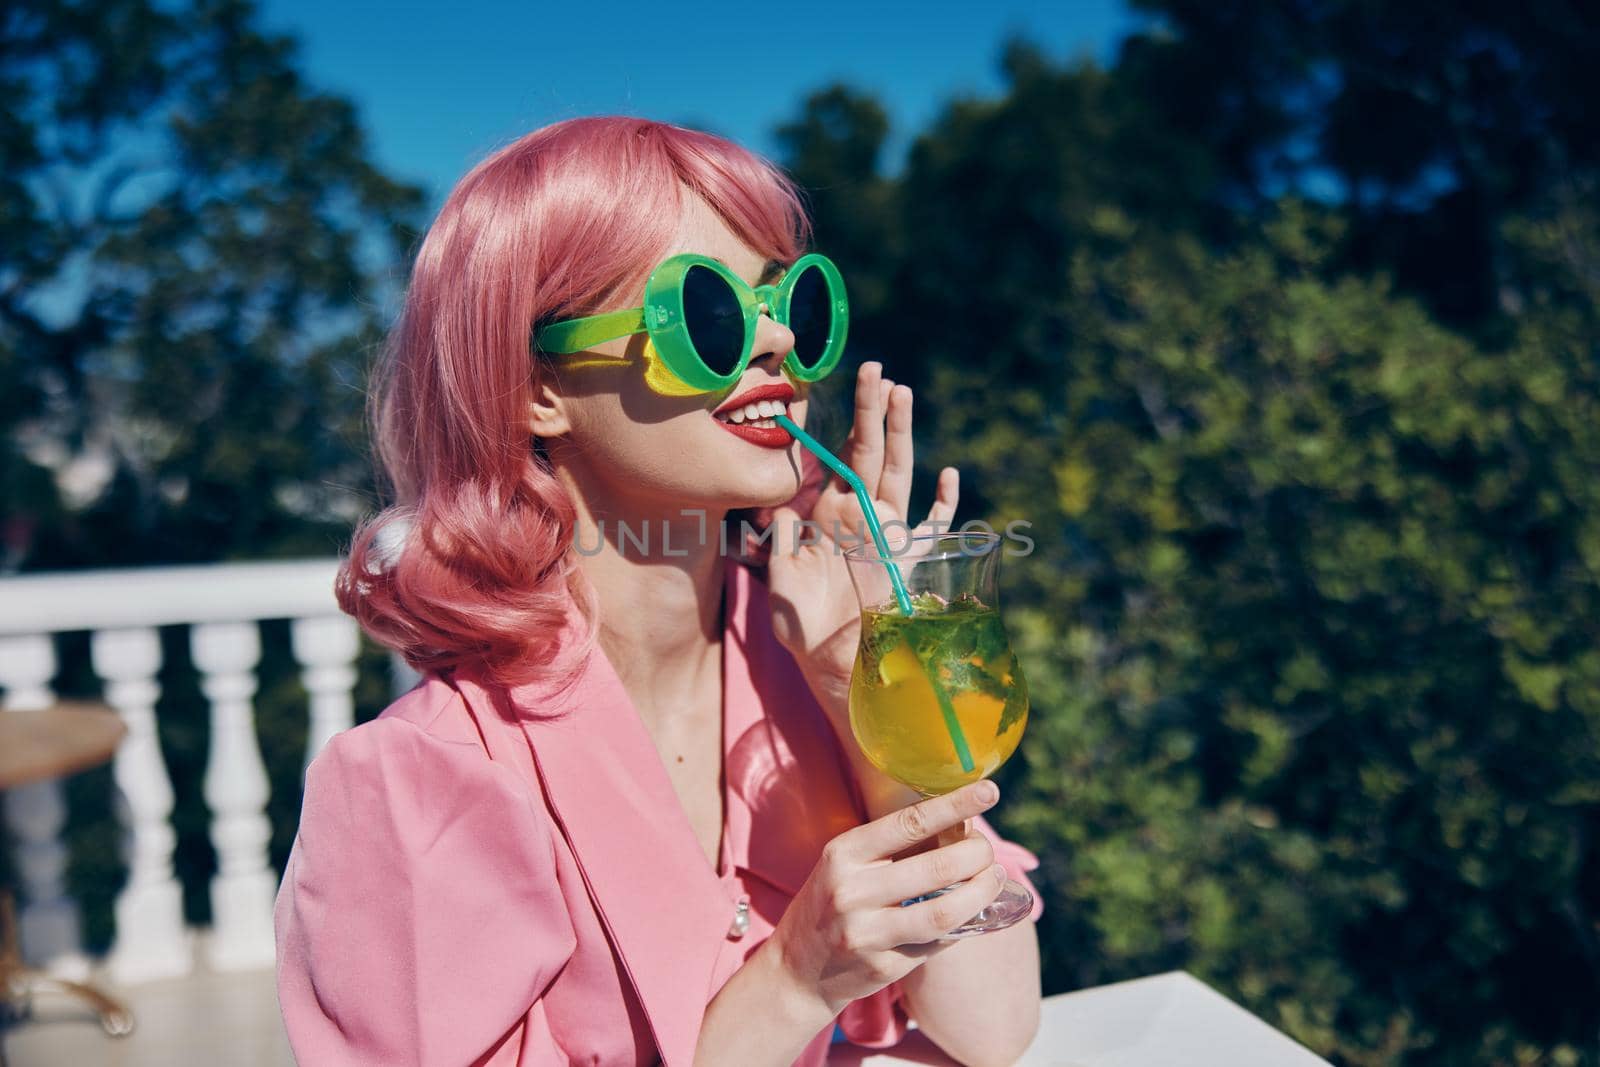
x: 492, y: 876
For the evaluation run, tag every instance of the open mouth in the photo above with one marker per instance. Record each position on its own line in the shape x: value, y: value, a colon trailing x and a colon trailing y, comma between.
x: 757, y: 413
x: 750, y: 414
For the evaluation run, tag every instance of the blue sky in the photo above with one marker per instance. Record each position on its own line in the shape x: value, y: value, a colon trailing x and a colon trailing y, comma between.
x: 439, y: 86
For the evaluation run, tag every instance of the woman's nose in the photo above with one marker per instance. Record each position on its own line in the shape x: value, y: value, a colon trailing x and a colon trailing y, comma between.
x: 774, y: 341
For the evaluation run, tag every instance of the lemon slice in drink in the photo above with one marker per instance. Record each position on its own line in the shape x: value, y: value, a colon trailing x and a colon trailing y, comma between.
x: 898, y: 665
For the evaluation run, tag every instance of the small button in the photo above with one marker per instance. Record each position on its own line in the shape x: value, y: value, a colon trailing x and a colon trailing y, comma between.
x: 741, y: 920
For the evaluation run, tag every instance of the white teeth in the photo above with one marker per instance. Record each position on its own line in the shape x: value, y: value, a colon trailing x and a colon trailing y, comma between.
x: 759, y: 413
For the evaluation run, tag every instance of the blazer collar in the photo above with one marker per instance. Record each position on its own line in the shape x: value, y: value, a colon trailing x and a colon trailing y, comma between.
x: 663, y: 907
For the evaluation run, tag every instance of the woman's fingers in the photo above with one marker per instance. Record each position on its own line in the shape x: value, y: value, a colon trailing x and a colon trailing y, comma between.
x: 895, y: 486
x: 866, y: 435
x: 930, y: 871
x: 898, y: 831
x: 946, y: 496
x: 930, y: 920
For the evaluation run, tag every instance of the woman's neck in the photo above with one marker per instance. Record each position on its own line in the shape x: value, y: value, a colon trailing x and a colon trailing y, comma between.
x: 658, y: 576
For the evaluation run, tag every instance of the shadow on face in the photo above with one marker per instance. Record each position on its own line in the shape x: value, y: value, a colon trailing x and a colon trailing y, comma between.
x: 621, y: 438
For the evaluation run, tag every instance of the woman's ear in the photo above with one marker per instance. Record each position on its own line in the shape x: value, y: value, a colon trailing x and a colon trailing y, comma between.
x: 547, y: 412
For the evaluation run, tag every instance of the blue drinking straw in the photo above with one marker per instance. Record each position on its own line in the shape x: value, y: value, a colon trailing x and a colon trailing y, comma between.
x: 952, y: 724
x: 837, y: 466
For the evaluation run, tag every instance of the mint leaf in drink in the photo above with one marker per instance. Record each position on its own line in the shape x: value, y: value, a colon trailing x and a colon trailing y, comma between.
x: 964, y: 676
x: 957, y: 640
x: 1016, y: 699
x: 990, y: 644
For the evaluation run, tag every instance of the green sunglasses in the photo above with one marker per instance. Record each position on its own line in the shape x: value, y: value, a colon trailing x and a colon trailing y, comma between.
x: 701, y: 318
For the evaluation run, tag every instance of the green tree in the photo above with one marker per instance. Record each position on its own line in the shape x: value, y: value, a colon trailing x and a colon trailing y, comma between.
x: 1432, y: 122
x: 1310, y: 624
x: 194, y: 248
x: 1331, y: 616
x: 835, y: 147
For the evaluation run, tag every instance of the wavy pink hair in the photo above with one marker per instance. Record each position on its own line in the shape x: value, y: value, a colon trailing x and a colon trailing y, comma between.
x: 471, y: 566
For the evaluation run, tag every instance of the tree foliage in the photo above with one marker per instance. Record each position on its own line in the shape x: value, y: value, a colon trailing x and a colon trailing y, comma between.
x: 1311, y: 627
x: 1433, y: 122
x: 193, y: 248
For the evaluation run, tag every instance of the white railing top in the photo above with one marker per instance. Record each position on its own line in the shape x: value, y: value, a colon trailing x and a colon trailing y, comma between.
x: 163, y: 596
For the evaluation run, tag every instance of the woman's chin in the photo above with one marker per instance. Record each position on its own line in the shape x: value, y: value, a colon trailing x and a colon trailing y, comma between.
x: 763, y: 493
x: 762, y: 483
x: 764, y: 500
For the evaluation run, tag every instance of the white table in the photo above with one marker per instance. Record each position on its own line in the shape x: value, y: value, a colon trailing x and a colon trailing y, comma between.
x: 1166, y: 1020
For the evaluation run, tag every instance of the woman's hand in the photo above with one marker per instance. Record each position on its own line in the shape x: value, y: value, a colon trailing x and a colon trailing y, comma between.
x: 815, y: 613
x: 846, y: 936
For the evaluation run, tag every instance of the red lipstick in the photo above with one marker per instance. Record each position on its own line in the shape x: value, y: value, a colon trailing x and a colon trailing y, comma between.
x: 765, y: 436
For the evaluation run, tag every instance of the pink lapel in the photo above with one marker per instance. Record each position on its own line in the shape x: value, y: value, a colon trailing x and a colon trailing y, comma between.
x: 664, y: 909
x: 788, y: 789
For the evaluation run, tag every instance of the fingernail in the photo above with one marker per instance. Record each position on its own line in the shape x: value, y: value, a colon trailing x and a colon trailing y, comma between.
x: 998, y: 873
x: 988, y: 792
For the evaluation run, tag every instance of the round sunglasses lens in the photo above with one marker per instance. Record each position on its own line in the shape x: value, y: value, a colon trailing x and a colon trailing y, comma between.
x: 810, y: 316
x: 715, y: 322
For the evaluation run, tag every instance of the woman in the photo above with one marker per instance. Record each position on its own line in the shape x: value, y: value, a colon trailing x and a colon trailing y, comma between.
x: 621, y: 820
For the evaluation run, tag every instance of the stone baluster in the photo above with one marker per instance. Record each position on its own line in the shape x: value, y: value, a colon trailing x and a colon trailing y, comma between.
x: 236, y: 790
x: 326, y: 649
x: 152, y: 940
x: 36, y: 814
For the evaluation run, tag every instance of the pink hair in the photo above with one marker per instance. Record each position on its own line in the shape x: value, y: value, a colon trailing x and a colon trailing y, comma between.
x: 471, y: 566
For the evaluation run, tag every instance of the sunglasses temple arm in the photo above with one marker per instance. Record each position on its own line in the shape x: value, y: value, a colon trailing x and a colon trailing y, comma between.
x: 577, y: 335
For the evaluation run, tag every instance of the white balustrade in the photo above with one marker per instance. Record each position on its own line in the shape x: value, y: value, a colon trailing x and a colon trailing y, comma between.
x: 152, y: 941
x: 236, y: 789
x: 326, y: 650
x: 223, y: 605
x: 36, y: 814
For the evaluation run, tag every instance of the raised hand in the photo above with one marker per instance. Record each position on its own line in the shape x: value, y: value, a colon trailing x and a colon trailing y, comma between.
x: 815, y: 612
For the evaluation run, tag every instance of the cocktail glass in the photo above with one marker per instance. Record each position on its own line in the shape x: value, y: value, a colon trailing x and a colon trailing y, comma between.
x: 937, y: 698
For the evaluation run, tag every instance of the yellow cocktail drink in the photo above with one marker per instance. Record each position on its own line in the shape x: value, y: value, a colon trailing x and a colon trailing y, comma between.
x: 895, y: 708
x: 937, y: 698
